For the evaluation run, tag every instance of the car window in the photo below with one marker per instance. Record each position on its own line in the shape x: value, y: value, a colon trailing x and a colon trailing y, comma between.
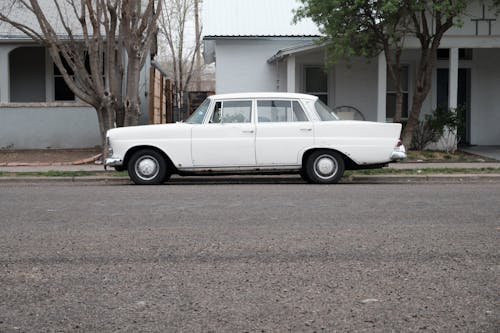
x: 324, y: 112
x: 199, y: 114
x: 280, y: 111
x: 232, y: 112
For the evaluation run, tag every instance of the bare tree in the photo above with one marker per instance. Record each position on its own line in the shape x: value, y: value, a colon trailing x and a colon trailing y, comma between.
x: 184, y: 61
x: 100, y: 51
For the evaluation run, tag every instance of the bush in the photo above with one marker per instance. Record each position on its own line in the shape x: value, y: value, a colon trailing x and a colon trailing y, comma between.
x: 441, y: 125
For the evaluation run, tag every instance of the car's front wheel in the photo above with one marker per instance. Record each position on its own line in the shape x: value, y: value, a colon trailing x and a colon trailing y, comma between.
x: 325, y: 167
x: 147, y: 167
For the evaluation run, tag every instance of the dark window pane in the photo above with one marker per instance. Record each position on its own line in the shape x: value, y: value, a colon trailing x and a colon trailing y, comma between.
x: 391, y: 105
x: 323, y: 98
x: 316, y: 80
x: 62, y: 91
x: 66, y: 66
x: 391, y: 86
x: 443, y: 54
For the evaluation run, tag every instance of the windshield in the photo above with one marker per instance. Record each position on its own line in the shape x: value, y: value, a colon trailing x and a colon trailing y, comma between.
x: 199, y: 114
x: 324, y: 112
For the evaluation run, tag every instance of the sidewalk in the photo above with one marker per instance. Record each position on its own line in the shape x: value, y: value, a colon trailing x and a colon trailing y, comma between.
x: 101, y: 177
x: 86, y: 160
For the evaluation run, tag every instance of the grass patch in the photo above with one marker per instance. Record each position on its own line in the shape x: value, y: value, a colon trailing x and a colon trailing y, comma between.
x: 383, y: 171
x: 441, y: 156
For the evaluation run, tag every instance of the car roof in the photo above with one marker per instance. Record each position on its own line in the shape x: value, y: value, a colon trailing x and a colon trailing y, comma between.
x: 263, y: 95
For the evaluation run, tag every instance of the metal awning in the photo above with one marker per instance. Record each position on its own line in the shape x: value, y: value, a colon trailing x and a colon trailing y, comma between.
x: 281, y: 54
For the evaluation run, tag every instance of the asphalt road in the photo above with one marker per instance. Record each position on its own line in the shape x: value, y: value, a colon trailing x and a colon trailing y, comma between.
x: 250, y: 258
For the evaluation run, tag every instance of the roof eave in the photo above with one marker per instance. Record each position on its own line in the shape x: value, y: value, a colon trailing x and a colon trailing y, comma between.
x: 222, y: 37
x: 283, y: 53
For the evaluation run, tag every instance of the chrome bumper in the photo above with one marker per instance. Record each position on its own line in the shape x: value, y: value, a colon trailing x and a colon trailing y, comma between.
x: 399, y: 153
x: 112, y: 162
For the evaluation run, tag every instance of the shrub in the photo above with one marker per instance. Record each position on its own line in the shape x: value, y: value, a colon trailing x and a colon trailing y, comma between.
x: 439, y: 126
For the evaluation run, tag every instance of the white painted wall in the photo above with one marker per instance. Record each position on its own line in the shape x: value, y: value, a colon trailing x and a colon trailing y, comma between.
x: 241, y: 65
x: 485, y: 97
x: 356, y: 85
x: 32, y: 127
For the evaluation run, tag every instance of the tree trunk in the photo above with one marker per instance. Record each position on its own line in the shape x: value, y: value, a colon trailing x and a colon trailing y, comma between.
x: 416, y: 107
x: 131, y: 103
x: 399, y: 106
x: 106, y: 116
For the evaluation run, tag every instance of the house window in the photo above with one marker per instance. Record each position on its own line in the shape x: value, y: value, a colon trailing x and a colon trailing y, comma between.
x: 317, y: 83
x: 61, y: 89
x: 391, y: 94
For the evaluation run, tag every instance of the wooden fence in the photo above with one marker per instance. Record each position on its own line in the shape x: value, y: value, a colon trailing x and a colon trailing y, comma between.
x: 160, y: 98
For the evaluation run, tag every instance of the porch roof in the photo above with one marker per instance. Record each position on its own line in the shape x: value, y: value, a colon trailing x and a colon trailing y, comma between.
x: 281, y: 54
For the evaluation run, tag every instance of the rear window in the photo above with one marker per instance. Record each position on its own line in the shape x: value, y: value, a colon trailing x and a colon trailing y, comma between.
x: 324, y: 112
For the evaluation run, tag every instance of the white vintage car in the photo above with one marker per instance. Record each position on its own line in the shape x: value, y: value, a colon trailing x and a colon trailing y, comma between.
x: 255, y: 133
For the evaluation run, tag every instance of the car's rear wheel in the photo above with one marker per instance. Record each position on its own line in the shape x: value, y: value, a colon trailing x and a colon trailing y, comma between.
x: 147, y: 167
x: 325, y: 167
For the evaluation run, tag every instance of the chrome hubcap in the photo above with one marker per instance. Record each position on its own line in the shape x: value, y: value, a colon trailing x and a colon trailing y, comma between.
x: 147, y: 167
x: 325, y: 167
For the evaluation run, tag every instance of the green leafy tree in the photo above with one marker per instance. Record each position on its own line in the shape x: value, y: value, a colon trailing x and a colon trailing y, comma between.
x: 362, y: 28
x: 429, y: 21
x: 365, y: 27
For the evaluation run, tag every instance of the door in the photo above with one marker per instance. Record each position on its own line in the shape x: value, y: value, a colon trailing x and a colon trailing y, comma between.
x: 463, y: 98
x: 228, y: 139
x: 283, y: 132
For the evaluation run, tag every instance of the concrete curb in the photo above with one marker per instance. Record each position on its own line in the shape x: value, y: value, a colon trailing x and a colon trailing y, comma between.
x: 287, y: 179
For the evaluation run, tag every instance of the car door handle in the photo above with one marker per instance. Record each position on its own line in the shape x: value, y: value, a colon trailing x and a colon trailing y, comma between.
x: 306, y: 129
x: 249, y: 131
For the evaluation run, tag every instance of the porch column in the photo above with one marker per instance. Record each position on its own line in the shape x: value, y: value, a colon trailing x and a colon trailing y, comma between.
x: 290, y: 74
x: 453, y: 85
x: 381, y: 88
x: 4, y: 77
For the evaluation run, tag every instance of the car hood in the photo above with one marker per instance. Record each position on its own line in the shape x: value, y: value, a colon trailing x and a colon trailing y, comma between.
x: 150, y: 131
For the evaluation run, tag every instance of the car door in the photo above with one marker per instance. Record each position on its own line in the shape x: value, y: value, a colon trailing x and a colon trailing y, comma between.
x: 283, y: 132
x: 227, y: 139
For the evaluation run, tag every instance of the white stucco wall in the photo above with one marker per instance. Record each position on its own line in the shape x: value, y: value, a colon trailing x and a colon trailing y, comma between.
x: 242, y: 64
x: 356, y: 85
x: 32, y: 127
x: 485, y: 97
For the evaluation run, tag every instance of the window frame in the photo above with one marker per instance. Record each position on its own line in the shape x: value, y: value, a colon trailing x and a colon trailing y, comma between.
x: 317, y: 93
x: 214, y: 104
x: 51, y: 81
x: 291, y: 100
x: 405, y: 92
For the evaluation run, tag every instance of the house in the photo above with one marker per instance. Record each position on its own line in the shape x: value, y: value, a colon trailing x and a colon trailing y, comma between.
x: 256, y: 47
x: 37, y: 109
